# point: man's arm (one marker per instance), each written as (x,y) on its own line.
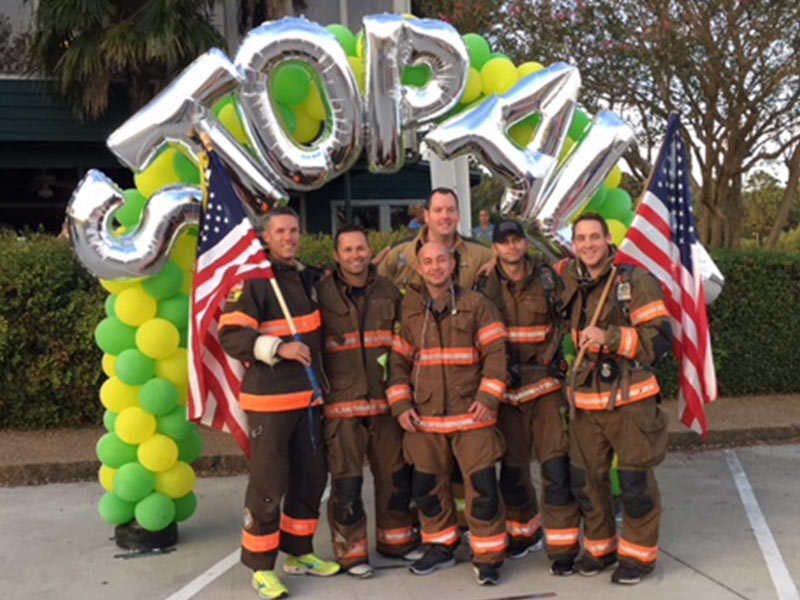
(238,327)
(491,343)
(401,363)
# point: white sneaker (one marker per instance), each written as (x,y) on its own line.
(413,555)
(361,571)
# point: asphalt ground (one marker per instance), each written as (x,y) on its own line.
(730,530)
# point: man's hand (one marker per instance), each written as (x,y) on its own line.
(481,412)
(486,268)
(592,336)
(295,351)
(408,420)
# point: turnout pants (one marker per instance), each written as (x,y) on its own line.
(638,434)
(538,425)
(283,466)
(475,452)
(348,441)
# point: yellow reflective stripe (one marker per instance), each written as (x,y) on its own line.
(493,387)
(451,424)
(600,547)
(303,324)
(448,356)
(356,408)
(447,536)
(562,537)
(349,341)
(301,527)
(402,347)
(486,545)
(649,312)
(261,543)
(628,342)
(396,537)
(491,333)
(528,335)
(398,393)
(532,391)
(641,553)
(237,319)
(599,401)
(519,529)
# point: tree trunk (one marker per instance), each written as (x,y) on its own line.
(789,198)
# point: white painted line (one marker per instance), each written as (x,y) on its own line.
(781,579)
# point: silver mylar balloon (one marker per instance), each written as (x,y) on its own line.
(392,43)
(171,115)
(141,253)
(262,52)
(578,178)
(481,131)
(713,279)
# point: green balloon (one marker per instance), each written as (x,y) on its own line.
(478,48)
(292,84)
(186,169)
(416,76)
(219,106)
(155,512)
(134,368)
(175,310)
(617,205)
(109,418)
(158,396)
(185,506)
(166,283)
(113,336)
(184,341)
(113,452)
(175,425)
(190,449)
(115,510)
(532,120)
(130,213)
(597,200)
(133,482)
(345,37)
(110,301)
(580,126)
(288,117)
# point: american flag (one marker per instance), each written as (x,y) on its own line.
(663,240)
(229,252)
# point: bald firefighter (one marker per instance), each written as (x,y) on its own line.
(359,310)
(531,415)
(616,397)
(448,373)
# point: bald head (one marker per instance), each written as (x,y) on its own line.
(435,265)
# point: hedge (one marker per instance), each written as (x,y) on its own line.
(49,307)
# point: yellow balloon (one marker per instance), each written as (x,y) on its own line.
(117,396)
(568,145)
(106,477)
(160,173)
(410,16)
(185,251)
(614,178)
(174,367)
(177,481)
(307,126)
(618,231)
(522,133)
(158,453)
(157,338)
(117,286)
(186,286)
(359,45)
(357,64)
(183,395)
(314,104)
(109,360)
(134,425)
(231,121)
(498,76)
(474,86)
(134,306)
(527,68)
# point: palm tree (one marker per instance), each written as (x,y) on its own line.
(86,45)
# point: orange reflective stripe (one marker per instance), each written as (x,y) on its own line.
(600,547)
(237,319)
(491,333)
(378,338)
(447,536)
(599,401)
(451,424)
(402,347)
(628,342)
(356,408)
(359,550)
(485,545)
(528,335)
(562,537)
(493,387)
(300,527)
(518,529)
(275,402)
(398,393)
(261,543)
(532,391)
(649,312)
(303,324)
(448,356)
(347,341)
(396,537)
(644,554)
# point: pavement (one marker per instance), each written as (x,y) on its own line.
(68,455)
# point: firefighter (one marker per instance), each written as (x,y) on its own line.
(616,399)
(359,309)
(448,371)
(531,414)
(286,465)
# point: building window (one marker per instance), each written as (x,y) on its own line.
(380,215)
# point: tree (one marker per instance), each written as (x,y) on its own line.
(731,68)
(85,45)
(254,12)
(12,47)
(762,198)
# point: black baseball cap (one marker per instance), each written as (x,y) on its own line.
(505,228)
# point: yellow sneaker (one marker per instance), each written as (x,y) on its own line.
(268,586)
(310,564)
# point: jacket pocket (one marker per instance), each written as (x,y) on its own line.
(644,442)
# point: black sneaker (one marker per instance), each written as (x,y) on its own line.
(519,548)
(486,574)
(563,567)
(589,566)
(627,574)
(436,557)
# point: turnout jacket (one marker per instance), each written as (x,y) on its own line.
(447,353)
(638,334)
(533,335)
(252,314)
(357,337)
(400,263)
